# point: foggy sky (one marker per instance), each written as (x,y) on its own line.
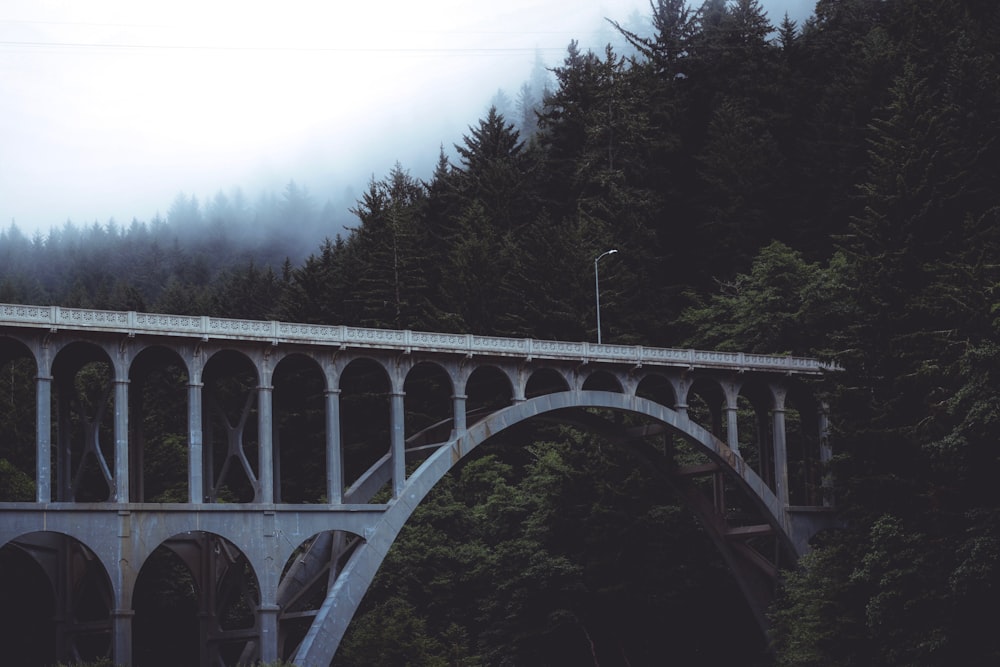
(110,108)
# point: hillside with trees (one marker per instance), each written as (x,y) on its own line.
(824,189)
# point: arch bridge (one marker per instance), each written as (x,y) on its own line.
(275,463)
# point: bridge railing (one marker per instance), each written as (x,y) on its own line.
(204,327)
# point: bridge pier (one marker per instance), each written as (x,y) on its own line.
(43,438)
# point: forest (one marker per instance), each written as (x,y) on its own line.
(826,189)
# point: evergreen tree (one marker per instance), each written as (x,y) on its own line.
(391,288)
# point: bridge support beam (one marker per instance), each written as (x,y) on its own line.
(121,636)
(334,453)
(121,440)
(265,438)
(458,410)
(267,620)
(196,461)
(43,438)
(780,447)
(398,442)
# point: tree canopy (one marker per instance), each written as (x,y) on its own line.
(826,189)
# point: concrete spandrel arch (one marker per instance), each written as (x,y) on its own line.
(601,380)
(158,374)
(366,387)
(334,616)
(18,412)
(372,362)
(488,386)
(13,346)
(83,596)
(658,388)
(231,436)
(226,590)
(299,428)
(545,380)
(428,396)
(710,394)
(90,386)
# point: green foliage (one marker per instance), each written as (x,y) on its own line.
(541,554)
(785,304)
(811,623)
(15,484)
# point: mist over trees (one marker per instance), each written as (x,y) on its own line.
(822,189)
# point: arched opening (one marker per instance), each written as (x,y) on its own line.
(428,408)
(657,388)
(158,440)
(230,428)
(17,422)
(754,417)
(488,389)
(545,381)
(307,576)
(706,406)
(195,602)
(84,451)
(802,438)
(299,431)
(602,381)
(57,601)
(364,417)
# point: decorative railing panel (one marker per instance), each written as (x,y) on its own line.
(157,324)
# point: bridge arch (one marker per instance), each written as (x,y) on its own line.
(429,393)
(81,599)
(207,582)
(158,451)
(90,386)
(232,440)
(545,380)
(299,429)
(342,601)
(19,455)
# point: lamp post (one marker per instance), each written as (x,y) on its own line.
(597,290)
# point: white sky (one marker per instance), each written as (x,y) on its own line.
(110,108)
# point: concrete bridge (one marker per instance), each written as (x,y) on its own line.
(281,502)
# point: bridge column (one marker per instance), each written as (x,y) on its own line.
(397,442)
(267,620)
(265,449)
(121,636)
(43,438)
(458,408)
(121,439)
(731,391)
(196,462)
(334,453)
(780,446)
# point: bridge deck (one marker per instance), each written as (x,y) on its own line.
(131,323)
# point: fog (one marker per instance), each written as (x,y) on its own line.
(111,108)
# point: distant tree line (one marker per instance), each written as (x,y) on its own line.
(826,189)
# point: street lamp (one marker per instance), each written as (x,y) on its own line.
(597,291)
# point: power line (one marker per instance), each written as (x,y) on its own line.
(422,51)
